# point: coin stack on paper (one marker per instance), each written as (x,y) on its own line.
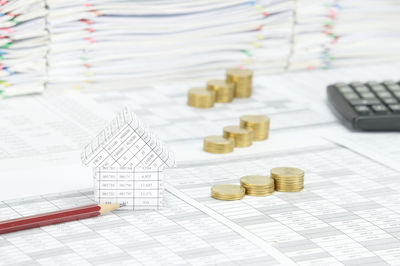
(218,144)
(238,83)
(227,192)
(288,179)
(258,185)
(259,124)
(251,128)
(224,90)
(241,136)
(242,80)
(282,179)
(201,98)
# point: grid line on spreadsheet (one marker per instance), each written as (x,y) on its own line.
(134,187)
(106,239)
(149,146)
(353,240)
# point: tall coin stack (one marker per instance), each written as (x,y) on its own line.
(201,98)
(288,179)
(241,137)
(227,192)
(218,144)
(259,124)
(223,90)
(242,80)
(258,185)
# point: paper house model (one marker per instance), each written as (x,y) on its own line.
(128,162)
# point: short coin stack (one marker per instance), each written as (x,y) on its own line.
(218,144)
(223,90)
(252,128)
(238,83)
(240,136)
(258,185)
(227,192)
(288,179)
(201,98)
(259,124)
(282,179)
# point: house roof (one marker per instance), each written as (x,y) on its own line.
(127,142)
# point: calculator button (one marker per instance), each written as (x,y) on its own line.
(389,82)
(362,110)
(372,83)
(389,101)
(367,95)
(345,89)
(378,88)
(395,108)
(364,102)
(394,87)
(384,94)
(379,109)
(362,89)
(356,84)
(340,85)
(351,96)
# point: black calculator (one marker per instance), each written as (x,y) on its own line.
(373,106)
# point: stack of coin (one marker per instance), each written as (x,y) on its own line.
(223,90)
(288,179)
(242,80)
(258,123)
(241,137)
(258,185)
(201,98)
(218,144)
(227,192)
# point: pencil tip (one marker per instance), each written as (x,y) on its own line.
(109,207)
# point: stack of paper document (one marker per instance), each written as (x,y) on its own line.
(117,44)
(313,35)
(23,46)
(368,32)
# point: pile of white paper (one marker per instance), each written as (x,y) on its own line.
(368,32)
(114,44)
(23,46)
(117,44)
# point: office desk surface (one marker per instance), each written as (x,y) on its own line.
(348,212)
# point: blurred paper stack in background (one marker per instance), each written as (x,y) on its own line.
(23,47)
(123,44)
(61,45)
(368,32)
(313,34)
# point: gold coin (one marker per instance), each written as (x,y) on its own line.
(224,91)
(288,179)
(242,80)
(241,137)
(218,144)
(201,98)
(227,192)
(287,172)
(257,180)
(258,185)
(258,123)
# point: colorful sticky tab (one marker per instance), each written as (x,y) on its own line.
(7,45)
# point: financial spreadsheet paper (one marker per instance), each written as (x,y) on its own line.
(347,214)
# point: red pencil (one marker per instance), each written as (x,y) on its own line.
(55,217)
